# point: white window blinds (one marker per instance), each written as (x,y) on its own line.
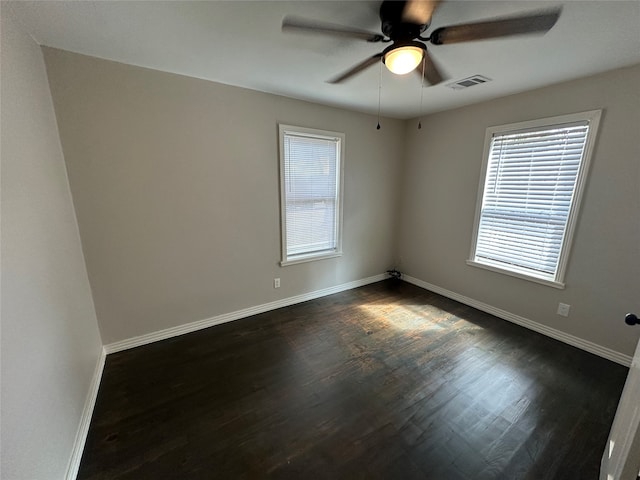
(529,191)
(311,194)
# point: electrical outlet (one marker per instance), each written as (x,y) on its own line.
(276,283)
(563,309)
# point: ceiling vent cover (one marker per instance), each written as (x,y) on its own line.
(468,82)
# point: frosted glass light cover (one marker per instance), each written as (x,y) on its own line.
(403,59)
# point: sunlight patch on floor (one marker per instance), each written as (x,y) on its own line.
(413,317)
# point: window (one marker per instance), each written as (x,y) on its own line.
(311,163)
(531,183)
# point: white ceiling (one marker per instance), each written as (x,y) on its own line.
(241,43)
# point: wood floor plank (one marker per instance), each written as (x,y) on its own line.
(384,381)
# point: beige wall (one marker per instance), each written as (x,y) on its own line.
(50,339)
(440,185)
(175,182)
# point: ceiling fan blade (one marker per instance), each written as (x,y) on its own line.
(539,22)
(419,11)
(322,28)
(432,73)
(357,69)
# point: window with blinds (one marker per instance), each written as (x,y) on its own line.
(532,182)
(311,188)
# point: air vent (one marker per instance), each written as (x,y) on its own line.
(468,82)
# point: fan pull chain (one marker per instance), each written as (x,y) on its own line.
(424,64)
(379,93)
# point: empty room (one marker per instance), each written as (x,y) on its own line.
(320,240)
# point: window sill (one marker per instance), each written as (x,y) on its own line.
(309,258)
(492,268)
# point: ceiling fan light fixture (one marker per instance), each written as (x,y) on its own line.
(402,60)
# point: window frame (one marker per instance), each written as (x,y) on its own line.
(339,137)
(592,117)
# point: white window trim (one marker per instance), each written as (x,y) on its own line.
(309,257)
(591,116)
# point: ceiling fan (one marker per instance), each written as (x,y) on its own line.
(403,23)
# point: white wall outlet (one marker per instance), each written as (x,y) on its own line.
(276,283)
(563,309)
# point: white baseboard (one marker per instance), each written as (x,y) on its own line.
(228,317)
(525,322)
(85,419)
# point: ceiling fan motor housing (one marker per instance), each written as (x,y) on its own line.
(393,25)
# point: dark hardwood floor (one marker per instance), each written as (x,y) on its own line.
(385,381)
